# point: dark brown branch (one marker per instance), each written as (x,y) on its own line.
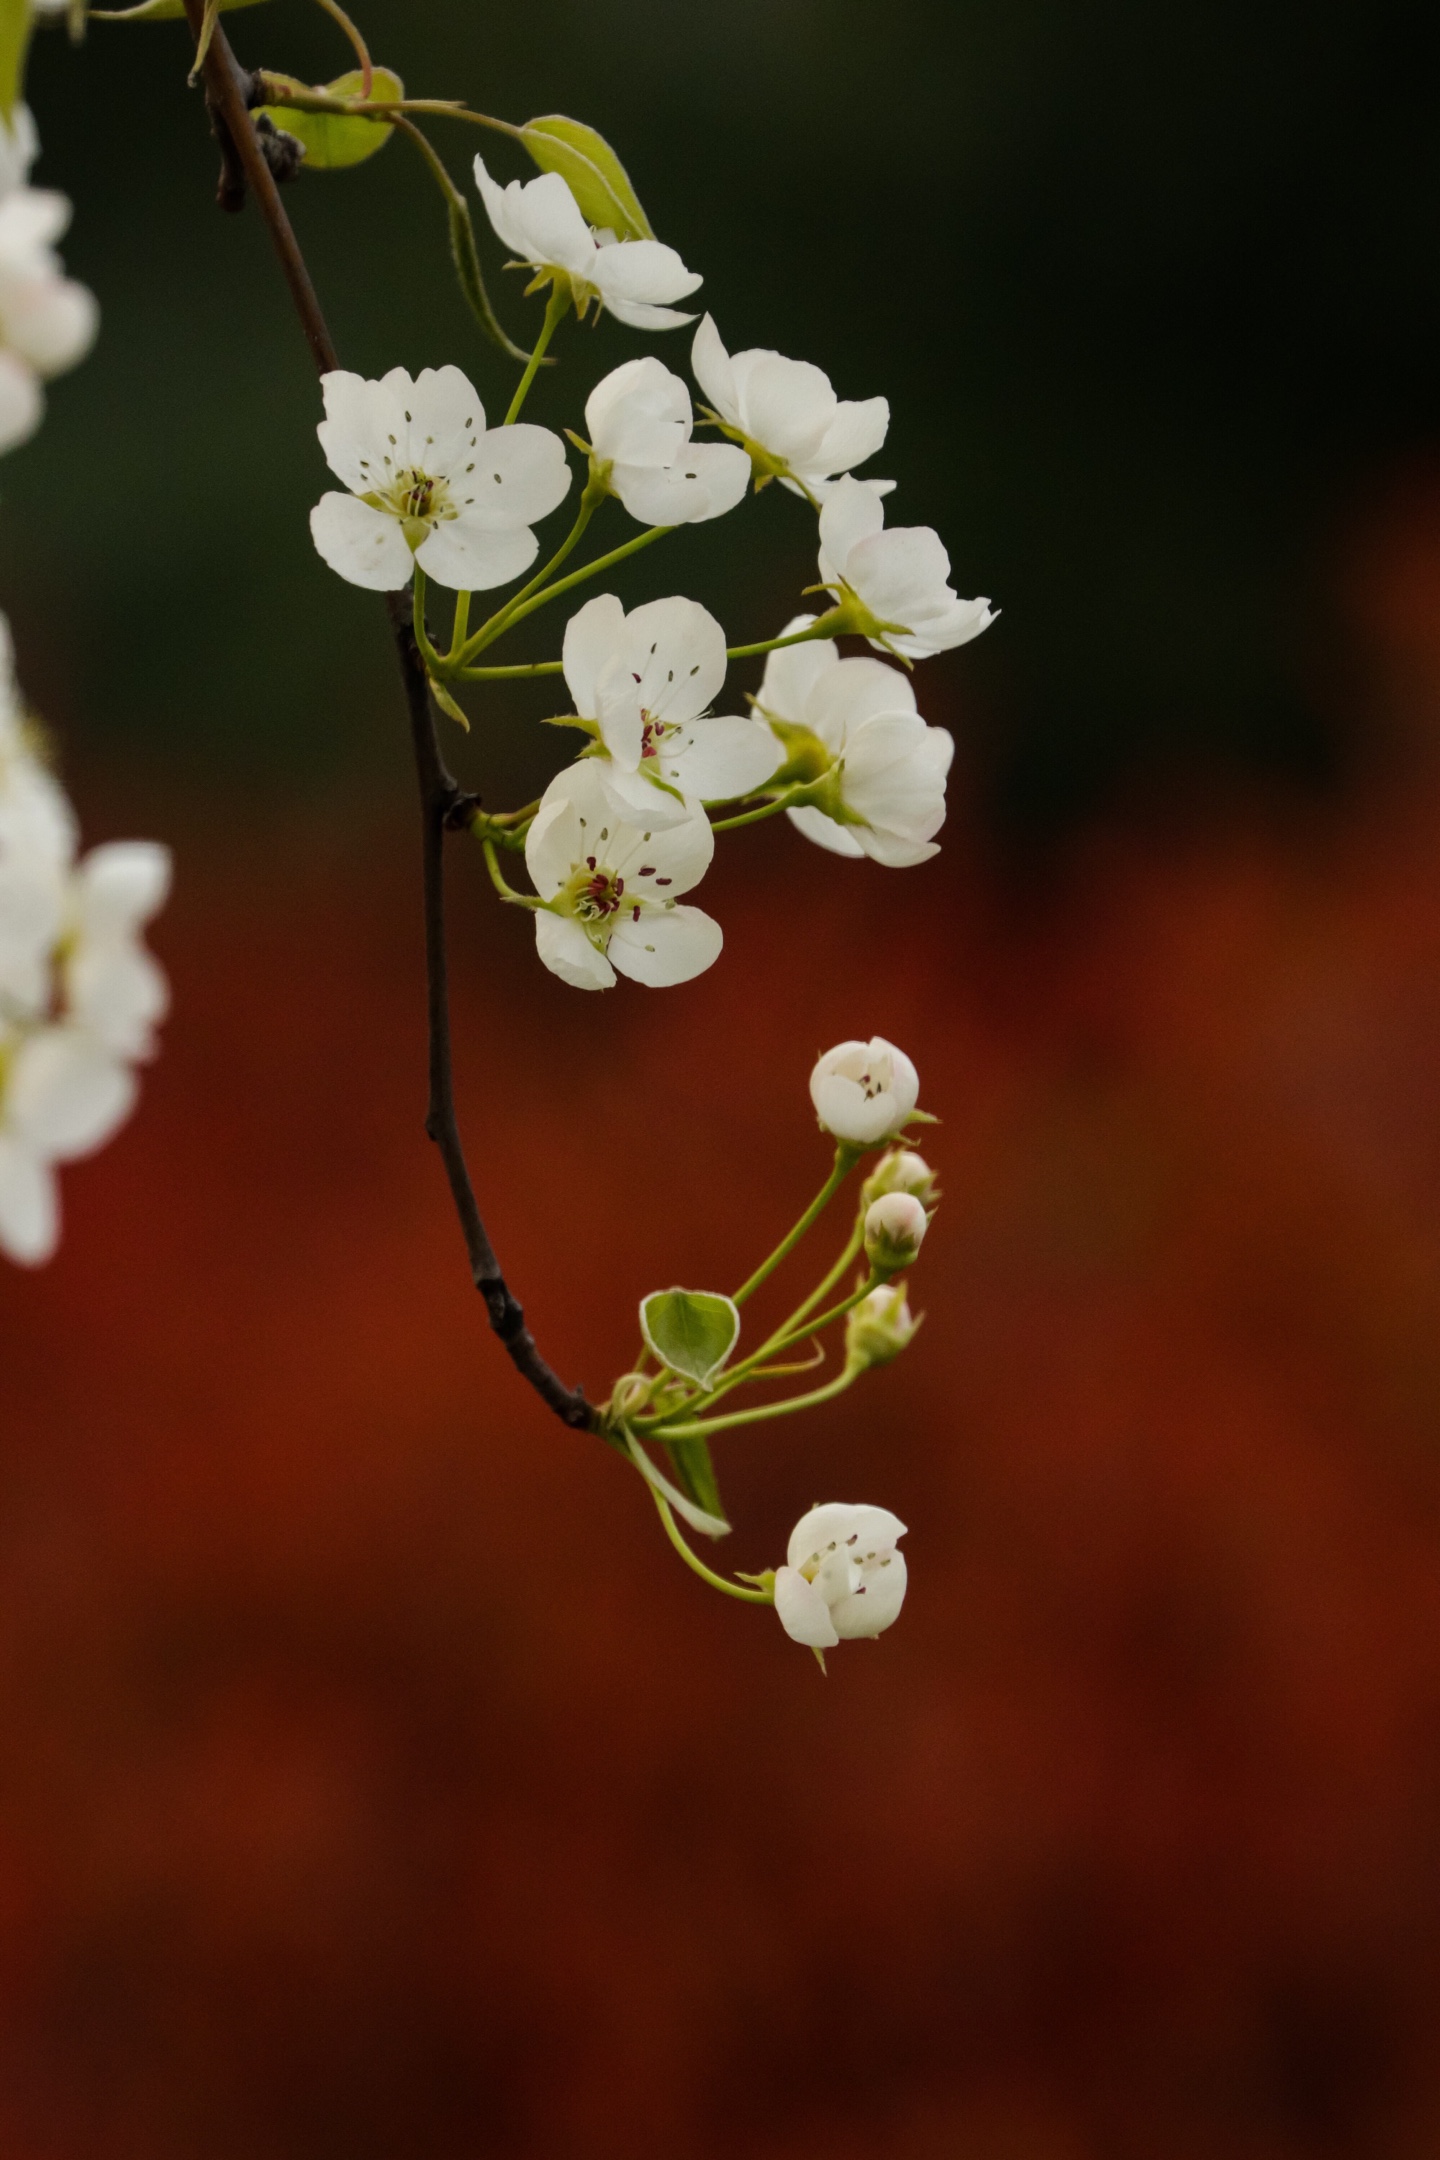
(227,89)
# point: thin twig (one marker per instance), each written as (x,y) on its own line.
(226,89)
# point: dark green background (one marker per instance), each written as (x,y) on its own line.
(1153,293)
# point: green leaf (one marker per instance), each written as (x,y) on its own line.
(158,11)
(597,179)
(335,140)
(691,1331)
(696,1472)
(14,39)
(699,1518)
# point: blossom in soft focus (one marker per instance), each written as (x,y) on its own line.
(47,321)
(543,224)
(901,577)
(902,1170)
(895,1227)
(864,1092)
(79,995)
(430,483)
(787,416)
(645,680)
(884,794)
(639,419)
(879,1328)
(844,1576)
(612,887)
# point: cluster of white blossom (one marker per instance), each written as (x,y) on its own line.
(79,995)
(627,830)
(47,321)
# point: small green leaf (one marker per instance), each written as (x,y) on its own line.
(335,140)
(710,1525)
(158,11)
(14,39)
(691,1331)
(597,179)
(696,1473)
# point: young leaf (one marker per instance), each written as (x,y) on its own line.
(597,179)
(691,1331)
(696,1473)
(14,38)
(335,140)
(698,1518)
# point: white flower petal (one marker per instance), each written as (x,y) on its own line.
(591,639)
(851,513)
(721,759)
(22,401)
(854,691)
(666,946)
(29,1205)
(364,546)
(856,432)
(802,1611)
(568,953)
(836,1523)
(50,322)
(791,674)
(674,654)
(630,272)
(711,365)
(839,839)
(874,1604)
(466,554)
(65,1094)
(121,886)
(520,474)
(788,406)
(705,481)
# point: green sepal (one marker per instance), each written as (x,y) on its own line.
(807,758)
(691,1331)
(335,140)
(448,705)
(596,177)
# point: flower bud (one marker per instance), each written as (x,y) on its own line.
(879,1328)
(864,1092)
(902,1170)
(895,1227)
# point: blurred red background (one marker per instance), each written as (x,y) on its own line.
(376,1781)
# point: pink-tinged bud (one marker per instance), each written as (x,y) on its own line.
(902,1170)
(895,1227)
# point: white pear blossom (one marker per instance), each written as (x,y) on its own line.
(787,416)
(639,419)
(901,577)
(544,225)
(886,787)
(79,995)
(430,483)
(612,885)
(47,321)
(864,1092)
(895,1227)
(645,680)
(844,1576)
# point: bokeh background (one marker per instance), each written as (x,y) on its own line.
(375,1783)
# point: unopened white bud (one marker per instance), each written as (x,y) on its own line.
(895,1227)
(879,1328)
(902,1170)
